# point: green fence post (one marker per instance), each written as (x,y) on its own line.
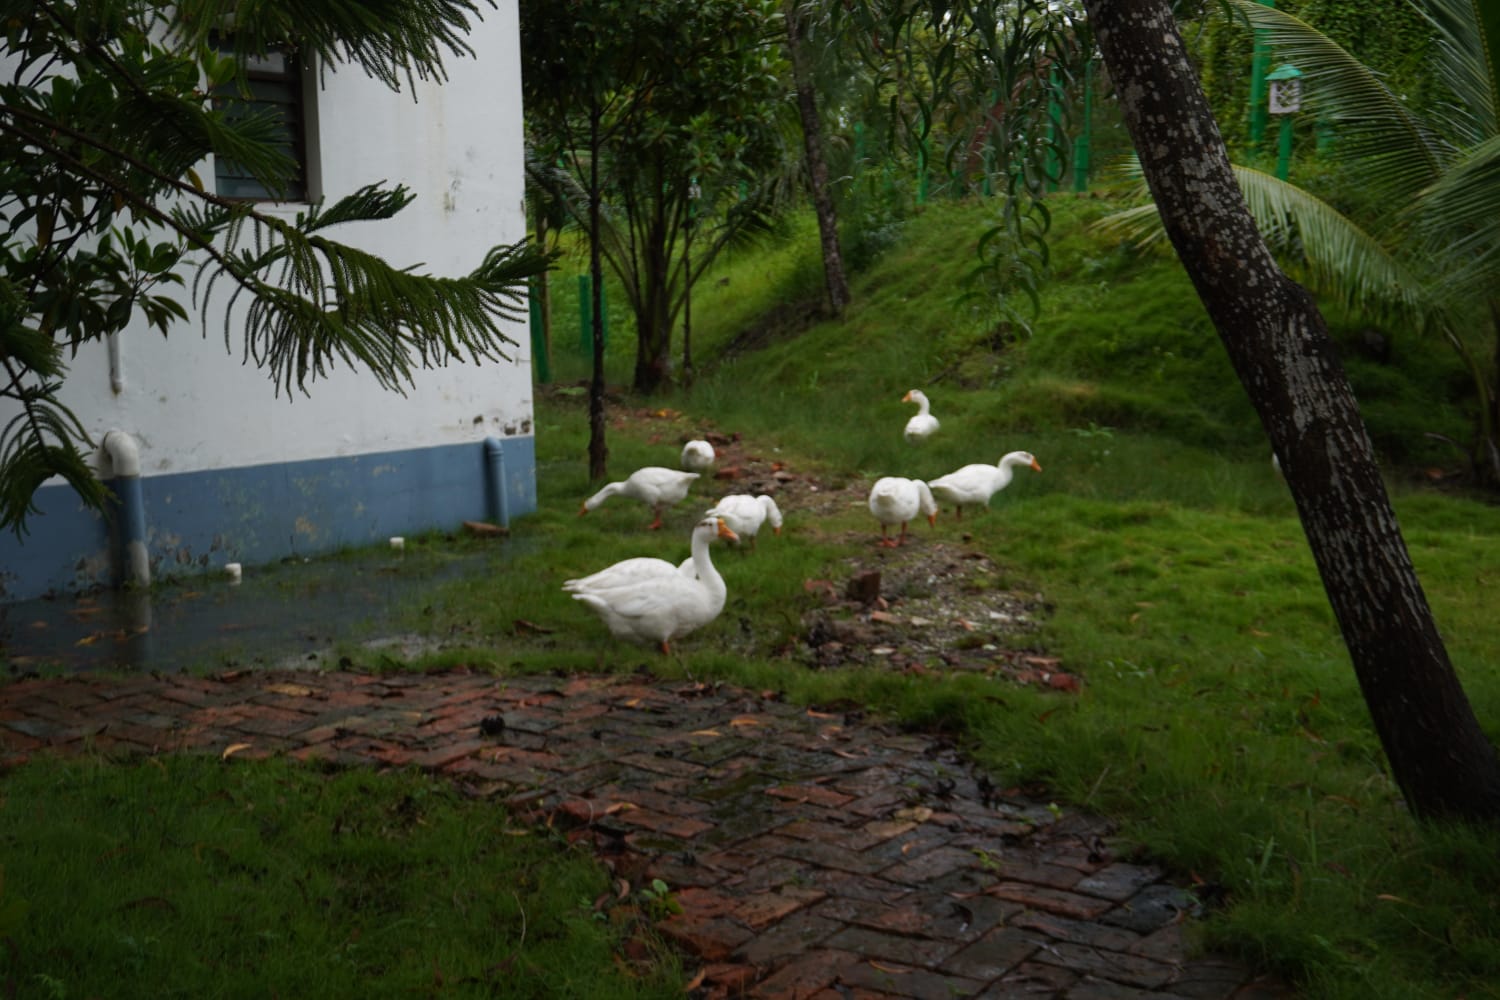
(1081,146)
(539,353)
(1259,60)
(1054,130)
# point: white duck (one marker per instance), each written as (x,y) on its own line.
(698,456)
(973,485)
(665,606)
(894,500)
(745,514)
(627,572)
(653,485)
(922,426)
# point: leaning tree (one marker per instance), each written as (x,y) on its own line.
(1280,348)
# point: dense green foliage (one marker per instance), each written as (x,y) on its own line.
(1393,37)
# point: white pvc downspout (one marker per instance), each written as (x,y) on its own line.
(125,464)
(497,503)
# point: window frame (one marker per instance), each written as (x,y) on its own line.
(288,87)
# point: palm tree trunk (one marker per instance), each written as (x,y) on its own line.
(1280,348)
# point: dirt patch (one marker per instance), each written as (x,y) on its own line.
(929,605)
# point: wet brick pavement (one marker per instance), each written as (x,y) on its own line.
(814,854)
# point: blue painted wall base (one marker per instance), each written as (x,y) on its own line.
(257,514)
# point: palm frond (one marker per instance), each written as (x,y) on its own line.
(1339,256)
(1310,237)
(1468,36)
(1458,220)
(1398,152)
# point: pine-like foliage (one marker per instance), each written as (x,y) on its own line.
(103,117)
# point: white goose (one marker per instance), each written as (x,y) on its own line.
(973,485)
(922,426)
(745,514)
(665,606)
(698,456)
(655,486)
(894,500)
(627,572)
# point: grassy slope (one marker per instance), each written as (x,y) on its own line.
(1220,721)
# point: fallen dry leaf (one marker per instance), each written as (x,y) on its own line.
(920,814)
(233,748)
(294,690)
(744,720)
(888,968)
(1062,682)
(522,625)
(705,732)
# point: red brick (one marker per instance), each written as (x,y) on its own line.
(816,794)
(805,975)
(1065,904)
(730,978)
(683,827)
(1117,882)
(887,978)
(763,909)
(994,954)
(700,904)
(712,940)
(1132,970)
(439,757)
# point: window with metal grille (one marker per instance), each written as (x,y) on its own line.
(275,83)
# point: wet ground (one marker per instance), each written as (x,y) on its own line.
(296,612)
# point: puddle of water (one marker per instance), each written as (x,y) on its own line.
(287,614)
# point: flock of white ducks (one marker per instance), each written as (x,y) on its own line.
(650,600)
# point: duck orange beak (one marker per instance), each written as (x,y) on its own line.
(1035,466)
(726,532)
(583,509)
(906,398)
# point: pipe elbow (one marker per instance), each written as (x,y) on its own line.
(124,454)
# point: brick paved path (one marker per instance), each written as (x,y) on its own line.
(814,855)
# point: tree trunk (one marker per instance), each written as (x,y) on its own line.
(1279,345)
(598,449)
(817,168)
(654,312)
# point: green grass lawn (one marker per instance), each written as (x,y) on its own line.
(1218,720)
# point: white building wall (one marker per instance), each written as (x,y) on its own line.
(194,407)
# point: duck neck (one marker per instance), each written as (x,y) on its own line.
(703,563)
